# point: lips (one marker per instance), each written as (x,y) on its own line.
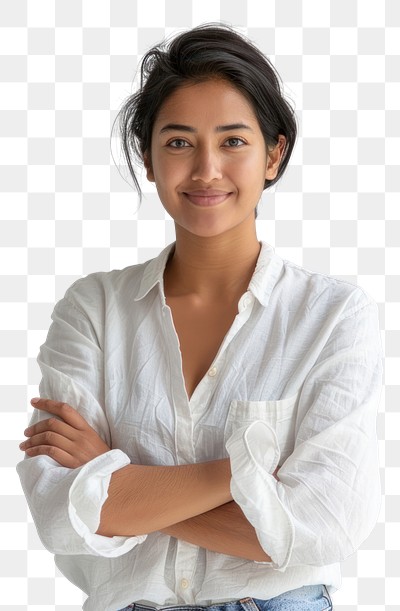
(207,197)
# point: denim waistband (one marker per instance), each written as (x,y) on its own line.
(245,604)
(307,598)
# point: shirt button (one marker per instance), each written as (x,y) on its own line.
(212,372)
(184,584)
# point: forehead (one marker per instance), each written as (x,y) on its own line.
(212,100)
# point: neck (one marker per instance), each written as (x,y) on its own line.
(211,266)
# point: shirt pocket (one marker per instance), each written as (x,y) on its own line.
(280,415)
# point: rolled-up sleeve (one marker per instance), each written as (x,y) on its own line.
(66,503)
(327,499)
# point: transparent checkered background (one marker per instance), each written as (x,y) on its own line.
(66,210)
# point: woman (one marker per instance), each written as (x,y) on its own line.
(214,441)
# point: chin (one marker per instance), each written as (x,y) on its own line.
(209,232)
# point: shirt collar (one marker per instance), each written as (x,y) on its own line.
(266,273)
(154,273)
(268,269)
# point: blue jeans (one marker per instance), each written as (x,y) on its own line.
(307,598)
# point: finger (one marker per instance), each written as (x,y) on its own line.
(52,424)
(62,410)
(57,454)
(49,438)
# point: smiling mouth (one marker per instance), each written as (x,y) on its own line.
(207,198)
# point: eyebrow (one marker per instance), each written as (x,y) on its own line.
(192,130)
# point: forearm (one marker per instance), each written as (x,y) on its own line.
(142,499)
(224,530)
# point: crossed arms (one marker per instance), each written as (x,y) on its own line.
(190,502)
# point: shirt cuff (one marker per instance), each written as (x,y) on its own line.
(86,498)
(254,454)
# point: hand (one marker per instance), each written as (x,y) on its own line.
(71,441)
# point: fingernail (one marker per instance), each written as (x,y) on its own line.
(35,399)
(22,445)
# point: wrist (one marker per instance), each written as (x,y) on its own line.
(219,474)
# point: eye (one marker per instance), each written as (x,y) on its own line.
(234,142)
(178,143)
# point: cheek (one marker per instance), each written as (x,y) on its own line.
(168,171)
(251,169)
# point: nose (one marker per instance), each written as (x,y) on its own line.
(207,165)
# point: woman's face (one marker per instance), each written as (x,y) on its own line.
(208,158)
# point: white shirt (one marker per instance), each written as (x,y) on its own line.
(296,383)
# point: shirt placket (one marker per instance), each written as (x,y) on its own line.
(186,415)
(184,452)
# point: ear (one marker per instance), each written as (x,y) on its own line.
(149,167)
(274,158)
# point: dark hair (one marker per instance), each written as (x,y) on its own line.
(204,52)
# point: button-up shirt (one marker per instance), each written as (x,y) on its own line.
(295,385)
